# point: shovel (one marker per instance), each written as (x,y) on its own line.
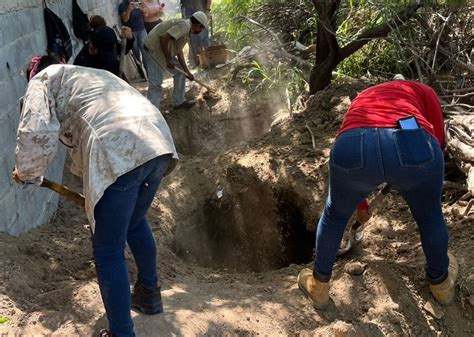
(195,80)
(211,93)
(64,191)
(356,231)
(123,47)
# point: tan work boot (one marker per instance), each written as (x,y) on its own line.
(444,292)
(316,291)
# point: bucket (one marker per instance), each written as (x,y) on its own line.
(213,55)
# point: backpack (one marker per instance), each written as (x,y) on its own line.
(59,40)
(80,22)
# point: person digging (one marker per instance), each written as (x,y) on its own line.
(392,133)
(163,52)
(121,146)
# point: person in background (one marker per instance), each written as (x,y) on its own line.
(163,51)
(154,12)
(121,146)
(133,14)
(392,133)
(96,21)
(103,49)
(201,40)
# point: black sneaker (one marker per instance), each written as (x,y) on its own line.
(186,104)
(147,301)
(105,333)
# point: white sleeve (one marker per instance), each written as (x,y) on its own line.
(38,131)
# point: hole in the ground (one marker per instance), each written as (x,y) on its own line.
(252,227)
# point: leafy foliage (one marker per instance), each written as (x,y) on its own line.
(228,21)
(296,20)
(265,77)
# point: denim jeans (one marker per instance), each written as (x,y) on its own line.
(196,43)
(120,217)
(156,75)
(138,45)
(411,161)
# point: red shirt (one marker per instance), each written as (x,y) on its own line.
(382,105)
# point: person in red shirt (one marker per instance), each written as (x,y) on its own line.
(392,133)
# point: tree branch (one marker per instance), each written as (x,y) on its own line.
(379,31)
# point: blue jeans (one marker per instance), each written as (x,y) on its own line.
(196,43)
(156,75)
(120,217)
(411,161)
(138,45)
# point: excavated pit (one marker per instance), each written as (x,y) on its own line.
(254,228)
(246,224)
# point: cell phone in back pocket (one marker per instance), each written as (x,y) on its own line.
(408,123)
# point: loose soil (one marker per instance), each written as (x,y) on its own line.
(235,224)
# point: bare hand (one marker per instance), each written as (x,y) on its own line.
(133,5)
(363,215)
(126,32)
(16,177)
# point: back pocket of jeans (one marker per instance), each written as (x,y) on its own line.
(347,152)
(413,147)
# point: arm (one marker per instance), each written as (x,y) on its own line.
(125,15)
(153,9)
(38,132)
(126,32)
(208,8)
(165,42)
(182,62)
(434,115)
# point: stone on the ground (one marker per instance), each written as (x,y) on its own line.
(434,310)
(355,268)
(338,329)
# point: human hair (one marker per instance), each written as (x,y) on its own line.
(38,64)
(96,21)
(195,21)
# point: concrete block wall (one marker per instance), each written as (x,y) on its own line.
(22,35)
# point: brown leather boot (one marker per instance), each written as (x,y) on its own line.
(316,291)
(444,292)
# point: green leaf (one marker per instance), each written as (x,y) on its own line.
(3,320)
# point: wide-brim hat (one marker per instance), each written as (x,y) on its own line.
(202,18)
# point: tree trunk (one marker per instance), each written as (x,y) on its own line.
(326,45)
(328,53)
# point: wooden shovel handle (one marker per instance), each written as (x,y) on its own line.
(64,191)
(195,79)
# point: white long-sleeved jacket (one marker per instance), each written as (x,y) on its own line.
(108,127)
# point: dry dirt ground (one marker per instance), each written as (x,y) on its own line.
(235,223)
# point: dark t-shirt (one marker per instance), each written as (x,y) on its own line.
(192,6)
(109,61)
(85,59)
(136,21)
